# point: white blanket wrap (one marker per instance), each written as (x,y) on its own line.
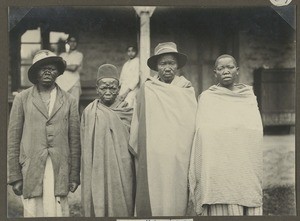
(226,158)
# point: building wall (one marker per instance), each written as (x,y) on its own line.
(101,49)
(201,34)
(103,38)
(256,37)
(266,46)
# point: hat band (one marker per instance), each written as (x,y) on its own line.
(164,48)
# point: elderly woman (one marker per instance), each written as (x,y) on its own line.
(162,135)
(44,141)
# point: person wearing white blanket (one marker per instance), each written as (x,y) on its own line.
(225,173)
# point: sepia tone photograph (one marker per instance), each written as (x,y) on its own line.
(151,111)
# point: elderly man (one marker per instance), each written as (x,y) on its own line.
(44,141)
(107,164)
(226,160)
(70,79)
(162,134)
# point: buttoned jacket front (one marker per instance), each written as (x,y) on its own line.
(33,135)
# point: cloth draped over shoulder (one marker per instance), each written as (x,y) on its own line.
(162,132)
(107,165)
(226,158)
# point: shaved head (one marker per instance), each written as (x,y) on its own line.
(225,56)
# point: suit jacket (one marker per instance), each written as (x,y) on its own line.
(33,135)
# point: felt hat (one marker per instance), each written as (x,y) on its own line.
(45,57)
(107,71)
(166,48)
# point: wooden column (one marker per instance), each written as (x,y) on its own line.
(144,14)
(15,60)
(45,37)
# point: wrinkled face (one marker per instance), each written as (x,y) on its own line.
(107,90)
(131,52)
(226,72)
(47,75)
(73,43)
(167,68)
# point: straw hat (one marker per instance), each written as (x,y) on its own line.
(45,57)
(166,48)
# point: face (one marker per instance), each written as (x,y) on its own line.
(167,68)
(226,72)
(107,90)
(73,43)
(47,75)
(131,52)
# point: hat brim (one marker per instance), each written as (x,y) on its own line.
(32,72)
(181,60)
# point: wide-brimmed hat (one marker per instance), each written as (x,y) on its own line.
(107,71)
(166,48)
(45,57)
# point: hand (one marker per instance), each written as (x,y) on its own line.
(121,97)
(17,187)
(73,187)
(123,104)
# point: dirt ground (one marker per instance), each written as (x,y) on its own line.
(279,181)
(279,175)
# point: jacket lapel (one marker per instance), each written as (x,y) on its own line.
(58,102)
(38,103)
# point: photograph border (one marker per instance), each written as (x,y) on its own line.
(4,68)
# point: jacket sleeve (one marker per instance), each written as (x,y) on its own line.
(15,130)
(74,142)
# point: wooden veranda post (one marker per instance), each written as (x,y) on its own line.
(144,13)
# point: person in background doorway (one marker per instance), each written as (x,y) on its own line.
(226,160)
(130,77)
(70,80)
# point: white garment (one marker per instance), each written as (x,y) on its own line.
(129,79)
(226,158)
(68,79)
(47,205)
(231,210)
(52,100)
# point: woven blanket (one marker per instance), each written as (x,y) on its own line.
(226,158)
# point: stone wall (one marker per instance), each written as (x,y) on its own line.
(266,46)
(101,49)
